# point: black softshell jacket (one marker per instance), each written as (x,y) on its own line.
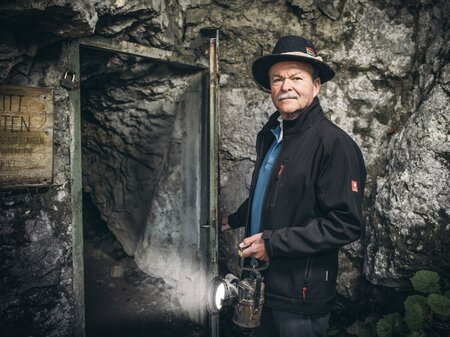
(312,206)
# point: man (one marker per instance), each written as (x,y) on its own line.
(305,197)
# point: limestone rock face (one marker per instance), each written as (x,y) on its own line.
(156,23)
(244,113)
(169,247)
(127,128)
(408,223)
(410,229)
(379,41)
(60,17)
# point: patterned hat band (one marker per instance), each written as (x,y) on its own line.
(299,53)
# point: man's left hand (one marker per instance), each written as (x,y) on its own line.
(253,246)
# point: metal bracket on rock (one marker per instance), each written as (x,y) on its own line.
(67,83)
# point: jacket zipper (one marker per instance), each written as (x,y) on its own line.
(252,188)
(265,193)
(307,275)
(277,182)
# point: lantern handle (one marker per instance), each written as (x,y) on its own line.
(254,264)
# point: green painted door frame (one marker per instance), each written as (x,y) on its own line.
(214,135)
(209,171)
(73,63)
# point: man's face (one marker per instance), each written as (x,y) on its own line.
(292,87)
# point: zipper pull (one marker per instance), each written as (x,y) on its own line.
(304,290)
(280,171)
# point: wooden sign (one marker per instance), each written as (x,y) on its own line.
(26,136)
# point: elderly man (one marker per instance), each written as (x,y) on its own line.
(305,197)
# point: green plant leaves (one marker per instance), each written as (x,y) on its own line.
(416,299)
(417,312)
(417,334)
(414,317)
(421,313)
(426,282)
(389,325)
(440,305)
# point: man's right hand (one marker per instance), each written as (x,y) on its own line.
(224,225)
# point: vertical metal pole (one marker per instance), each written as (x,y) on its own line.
(73,64)
(213,166)
(217,78)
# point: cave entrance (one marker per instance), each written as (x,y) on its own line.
(144,166)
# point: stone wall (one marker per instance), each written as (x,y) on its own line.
(391,94)
(36,247)
(141,125)
(129,111)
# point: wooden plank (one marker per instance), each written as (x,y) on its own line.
(26,136)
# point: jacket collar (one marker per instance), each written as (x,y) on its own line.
(307,118)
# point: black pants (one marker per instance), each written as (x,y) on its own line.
(276,323)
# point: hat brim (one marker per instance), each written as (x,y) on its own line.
(261,67)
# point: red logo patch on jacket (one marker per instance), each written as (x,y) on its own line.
(354,186)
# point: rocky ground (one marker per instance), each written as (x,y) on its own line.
(121,300)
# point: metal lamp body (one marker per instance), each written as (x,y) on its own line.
(247,311)
(246,295)
(230,293)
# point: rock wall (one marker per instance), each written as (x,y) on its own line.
(142,134)
(36,246)
(129,111)
(410,227)
(391,94)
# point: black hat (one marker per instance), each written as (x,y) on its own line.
(290,48)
